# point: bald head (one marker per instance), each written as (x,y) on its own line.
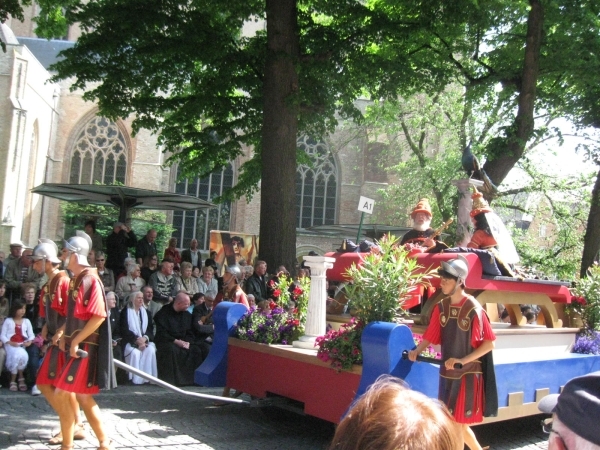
(181,302)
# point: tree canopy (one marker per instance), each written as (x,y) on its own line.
(186,70)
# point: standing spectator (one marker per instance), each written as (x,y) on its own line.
(21,271)
(163,283)
(132,282)
(172,253)
(136,329)
(2,256)
(150,266)
(192,254)
(106,275)
(207,282)
(257,283)
(117,244)
(146,246)
(16,249)
(17,335)
(90,229)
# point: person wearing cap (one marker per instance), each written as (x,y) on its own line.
(117,244)
(53,303)
(86,328)
(422,234)
(461,326)
(575,412)
(20,270)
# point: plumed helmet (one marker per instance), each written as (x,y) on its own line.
(47,250)
(236,271)
(458,268)
(80,244)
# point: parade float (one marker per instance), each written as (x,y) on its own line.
(530,361)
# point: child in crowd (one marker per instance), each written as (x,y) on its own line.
(17,334)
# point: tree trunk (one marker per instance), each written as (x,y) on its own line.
(280,128)
(498,166)
(591,240)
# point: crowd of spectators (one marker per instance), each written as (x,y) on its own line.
(160,312)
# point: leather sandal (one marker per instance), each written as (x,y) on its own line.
(22,385)
(13,386)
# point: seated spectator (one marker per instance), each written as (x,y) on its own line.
(575,412)
(150,304)
(163,283)
(172,253)
(106,275)
(208,281)
(132,282)
(203,321)
(179,352)
(257,283)
(505,317)
(114,318)
(90,229)
(185,282)
(32,313)
(137,333)
(251,301)
(150,266)
(17,336)
(196,272)
(197,300)
(390,416)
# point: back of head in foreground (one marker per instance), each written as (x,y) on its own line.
(575,413)
(390,416)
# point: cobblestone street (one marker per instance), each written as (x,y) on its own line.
(148,417)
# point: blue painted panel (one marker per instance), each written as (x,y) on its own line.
(213,371)
(383,343)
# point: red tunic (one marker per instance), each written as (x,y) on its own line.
(53,304)
(86,299)
(480,331)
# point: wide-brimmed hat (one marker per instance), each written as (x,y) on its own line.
(423,206)
(480,205)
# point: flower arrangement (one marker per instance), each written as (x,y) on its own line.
(587,343)
(342,347)
(281,322)
(429,352)
(379,287)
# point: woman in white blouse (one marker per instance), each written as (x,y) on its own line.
(208,282)
(136,332)
(185,281)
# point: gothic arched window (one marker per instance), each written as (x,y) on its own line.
(316,185)
(99,154)
(197,224)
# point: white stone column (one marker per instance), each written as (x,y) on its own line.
(463,222)
(317,301)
